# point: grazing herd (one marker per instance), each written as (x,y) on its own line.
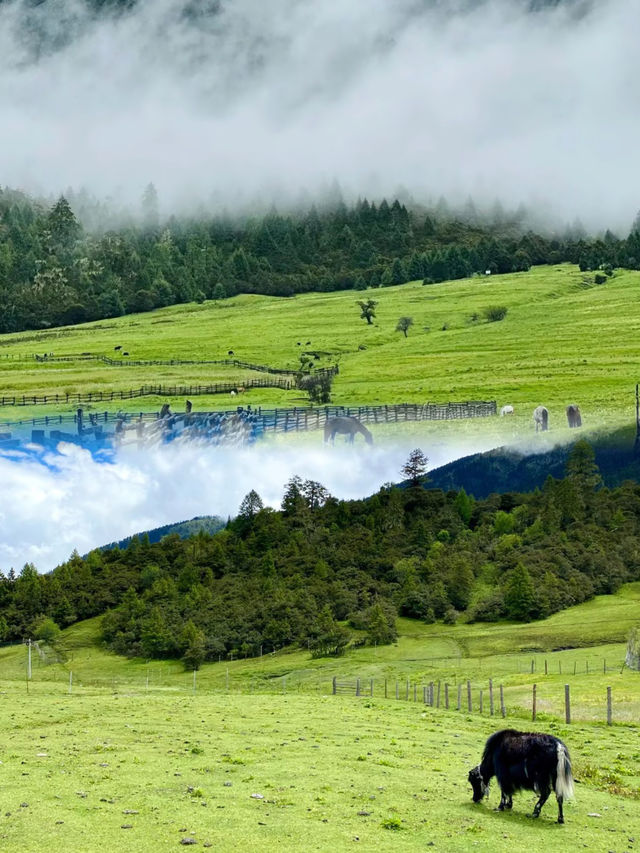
(541,416)
(524,761)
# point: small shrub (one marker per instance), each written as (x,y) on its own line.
(600,278)
(495,313)
(393,823)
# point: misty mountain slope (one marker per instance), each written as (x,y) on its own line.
(184,529)
(233,102)
(507,470)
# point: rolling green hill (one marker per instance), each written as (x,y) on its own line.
(563,340)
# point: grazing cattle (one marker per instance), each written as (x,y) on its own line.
(506,410)
(125,353)
(574,418)
(308,343)
(524,760)
(230,352)
(541,418)
(118,347)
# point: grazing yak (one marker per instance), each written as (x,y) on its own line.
(524,760)
(506,410)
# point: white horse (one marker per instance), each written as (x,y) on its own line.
(541,418)
(506,410)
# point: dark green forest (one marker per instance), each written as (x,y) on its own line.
(54,271)
(320,568)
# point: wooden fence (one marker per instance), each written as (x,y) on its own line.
(462,696)
(125,361)
(146,391)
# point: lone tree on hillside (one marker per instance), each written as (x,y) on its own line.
(404,324)
(415,468)
(251,505)
(368,307)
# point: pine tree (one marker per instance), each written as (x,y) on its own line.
(415,468)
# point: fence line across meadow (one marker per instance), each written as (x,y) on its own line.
(173,362)
(145,391)
(281,420)
(488,699)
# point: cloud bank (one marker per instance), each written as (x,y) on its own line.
(218,102)
(51,503)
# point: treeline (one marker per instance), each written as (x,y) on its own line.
(54,272)
(302,575)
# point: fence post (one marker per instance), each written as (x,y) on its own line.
(407,696)
(424,695)
(459,696)
(438,695)
(533,665)
(609,710)
(371,687)
(469,696)
(567,704)
(446,696)
(491,696)
(533,706)
(334,685)
(70,680)
(397,692)
(545,667)
(415,691)
(431,702)
(357,686)
(503,710)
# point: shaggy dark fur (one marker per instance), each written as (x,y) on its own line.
(521,760)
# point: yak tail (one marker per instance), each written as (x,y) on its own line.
(564,779)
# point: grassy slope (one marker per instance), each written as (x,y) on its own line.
(169,764)
(560,342)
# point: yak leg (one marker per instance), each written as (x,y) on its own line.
(506,801)
(544,796)
(560,813)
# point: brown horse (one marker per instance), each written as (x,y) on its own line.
(345,426)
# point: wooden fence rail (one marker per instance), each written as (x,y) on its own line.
(436,694)
(228,362)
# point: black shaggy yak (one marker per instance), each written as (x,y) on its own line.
(521,760)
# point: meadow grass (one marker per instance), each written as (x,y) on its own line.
(134,754)
(562,341)
(258,773)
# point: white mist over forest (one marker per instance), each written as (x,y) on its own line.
(223,103)
(53,503)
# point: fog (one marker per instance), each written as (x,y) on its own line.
(52,503)
(248,99)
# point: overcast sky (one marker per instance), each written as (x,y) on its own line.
(51,503)
(458,98)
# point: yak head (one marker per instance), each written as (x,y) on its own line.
(480,787)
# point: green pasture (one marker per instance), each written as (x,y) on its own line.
(136,754)
(242,772)
(563,340)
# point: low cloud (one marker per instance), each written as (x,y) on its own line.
(52,503)
(245,99)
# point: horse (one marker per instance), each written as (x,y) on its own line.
(524,760)
(506,410)
(574,418)
(345,426)
(541,418)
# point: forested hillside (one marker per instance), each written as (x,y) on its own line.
(277,578)
(53,271)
